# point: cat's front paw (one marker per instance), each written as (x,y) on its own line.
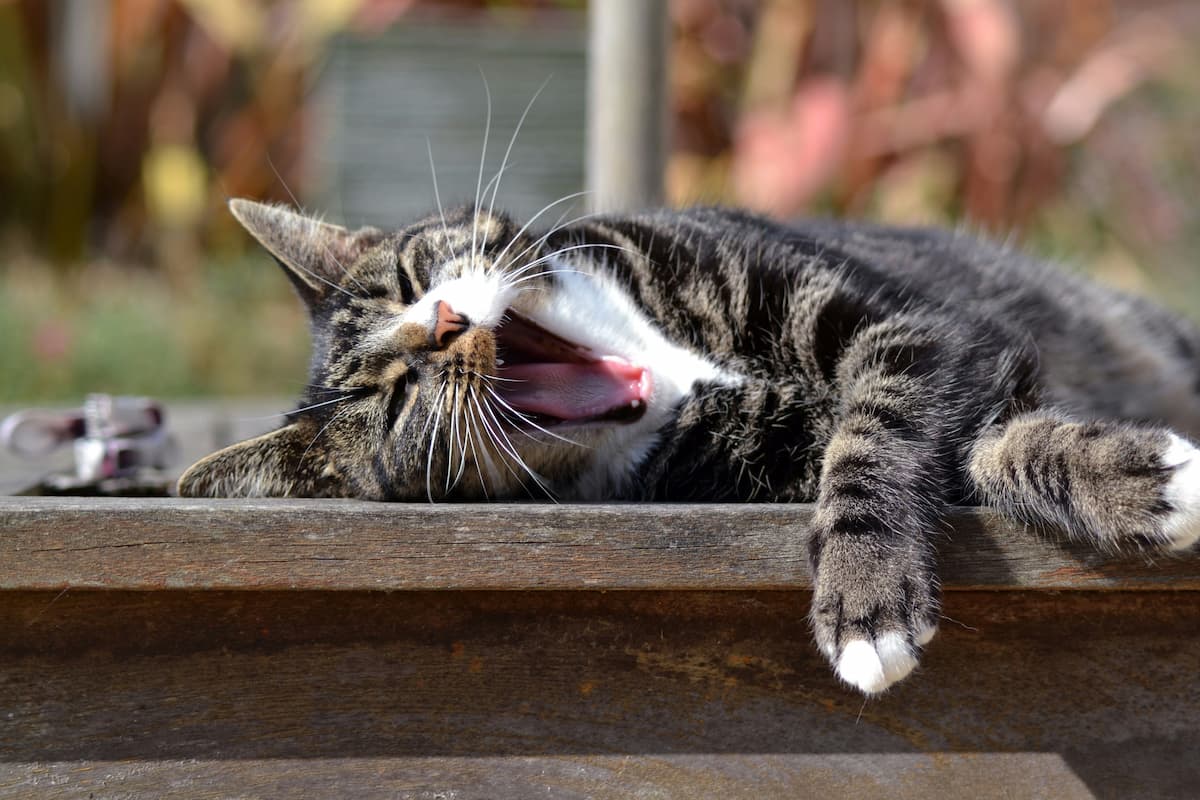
(870,620)
(1181,529)
(872,665)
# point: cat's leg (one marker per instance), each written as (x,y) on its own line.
(882,496)
(1112,483)
(875,596)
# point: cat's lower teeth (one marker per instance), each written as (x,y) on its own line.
(630,413)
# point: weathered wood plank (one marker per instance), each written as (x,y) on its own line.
(585,695)
(54,543)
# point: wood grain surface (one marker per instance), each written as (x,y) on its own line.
(167,648)
(517,695)
(147,544)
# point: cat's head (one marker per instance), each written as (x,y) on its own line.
(435,372)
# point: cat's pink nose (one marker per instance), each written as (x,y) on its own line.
(449,324)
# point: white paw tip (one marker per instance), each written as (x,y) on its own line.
(896,655)
(873,668)
(1182,527)
(860,667)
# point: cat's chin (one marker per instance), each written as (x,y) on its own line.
(553,382)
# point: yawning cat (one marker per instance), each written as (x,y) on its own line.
(711,355)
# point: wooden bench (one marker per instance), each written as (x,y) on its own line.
(175,648)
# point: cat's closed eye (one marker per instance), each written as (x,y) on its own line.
(397,393)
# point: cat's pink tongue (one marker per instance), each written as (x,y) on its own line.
(575,391)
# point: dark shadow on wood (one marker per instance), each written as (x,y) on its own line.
(1105,681)
(259,648)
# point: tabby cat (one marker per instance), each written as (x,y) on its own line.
(711,355)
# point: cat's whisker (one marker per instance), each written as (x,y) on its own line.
(352,391)
(298,410)
(511,142)
(602,246)
(456,438)
(558,225)
(493,472)
(324,246)
(471,440)
(344,270)
(565,250)
(474,451)
(326,281)
(487,129)
(275,416)
(543,274)
(516,236)
(429,417)
(495,180)
(512,451)
(495,442)
(481,405)
(465,440)
(515,422)
(324,427)
(437,421)
(510,277)
(498,378)
(453,435)
(515,426)
(502,450)
(496,396)
(324,403)
(582,246)
(437,195)
(549,256)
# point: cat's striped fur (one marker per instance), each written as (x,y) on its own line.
(882,373)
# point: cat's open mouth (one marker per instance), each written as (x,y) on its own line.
(553,381)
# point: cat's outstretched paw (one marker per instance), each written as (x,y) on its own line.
(872,668)
(872,627)
(1182,527)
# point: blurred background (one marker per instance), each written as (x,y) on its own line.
(1070,127)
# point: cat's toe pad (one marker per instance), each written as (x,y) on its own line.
(873,667)
(1182,527)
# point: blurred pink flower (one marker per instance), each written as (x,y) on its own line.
(986,35)
(780,161)
(376,15)
(51,341)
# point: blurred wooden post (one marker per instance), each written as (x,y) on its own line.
(80,56)
(627,103)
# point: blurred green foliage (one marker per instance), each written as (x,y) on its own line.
(235,330)
(125,125)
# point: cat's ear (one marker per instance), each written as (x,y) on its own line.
(271,465)
(314,254)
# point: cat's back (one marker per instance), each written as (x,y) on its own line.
(921,264)
(1101,352)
